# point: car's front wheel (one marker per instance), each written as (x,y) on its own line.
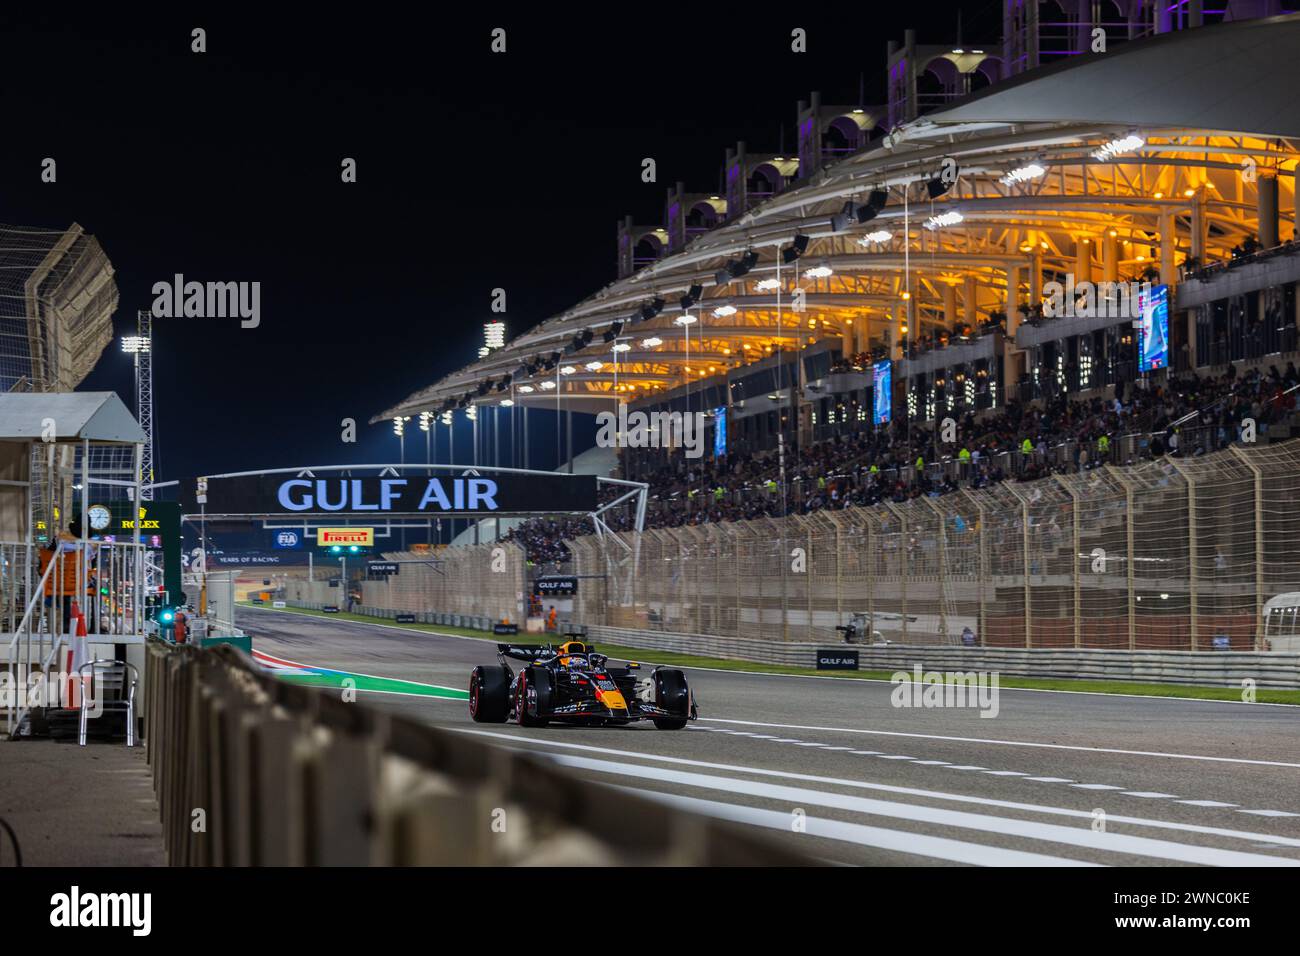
(673,695)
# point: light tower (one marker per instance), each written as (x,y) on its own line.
(140,346)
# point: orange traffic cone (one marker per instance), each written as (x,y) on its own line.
(76,657)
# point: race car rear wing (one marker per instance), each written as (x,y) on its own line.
(526,652)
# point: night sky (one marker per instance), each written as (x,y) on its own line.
(475,171)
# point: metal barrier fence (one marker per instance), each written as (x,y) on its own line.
(485,580)
(1168,554)
(251,770)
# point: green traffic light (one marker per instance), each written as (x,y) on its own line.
(336,549)
(353,548)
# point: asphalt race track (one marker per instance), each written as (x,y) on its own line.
(1180,782)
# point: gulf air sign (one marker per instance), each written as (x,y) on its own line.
(364,537)
(445,494)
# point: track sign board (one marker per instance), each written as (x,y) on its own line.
(364,537)
(475,495)
(835,659)
(382,569)
(557,584)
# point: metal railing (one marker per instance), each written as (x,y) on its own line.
(287,774)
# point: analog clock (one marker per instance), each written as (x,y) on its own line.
(99,517)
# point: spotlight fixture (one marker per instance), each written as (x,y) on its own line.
(722,276)
(865,213)
(937,186)
(743,265)
(877,199)
(691,297)
(841,220)
(796,248)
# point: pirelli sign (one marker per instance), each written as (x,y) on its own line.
(363,537)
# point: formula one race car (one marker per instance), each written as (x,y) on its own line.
(574,684)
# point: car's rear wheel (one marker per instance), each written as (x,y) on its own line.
(489,695)
(540,681)
(673,695)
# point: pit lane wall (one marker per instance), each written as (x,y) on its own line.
(255,770)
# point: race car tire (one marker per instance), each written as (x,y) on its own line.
(672,694)
(540,680)
(489,695)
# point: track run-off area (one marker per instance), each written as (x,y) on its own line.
(833,768)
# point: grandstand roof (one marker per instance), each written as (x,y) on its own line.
(1203,101)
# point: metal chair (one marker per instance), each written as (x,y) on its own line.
(115,694)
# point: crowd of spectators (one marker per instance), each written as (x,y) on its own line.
(1188,415)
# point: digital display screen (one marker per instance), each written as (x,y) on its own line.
(882,392)
(1153,329)
(719,431)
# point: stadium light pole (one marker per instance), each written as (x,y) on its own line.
(399,429)
(140,348)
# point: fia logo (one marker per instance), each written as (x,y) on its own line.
(287,539)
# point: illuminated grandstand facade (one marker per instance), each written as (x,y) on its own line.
(926,231)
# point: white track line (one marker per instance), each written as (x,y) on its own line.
(1080,837)
(900,841)
(520,740)
(1002,743)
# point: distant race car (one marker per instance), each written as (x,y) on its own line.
(574,684)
